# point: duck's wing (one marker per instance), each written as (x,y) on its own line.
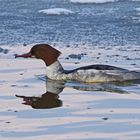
(100,68)
(99,73)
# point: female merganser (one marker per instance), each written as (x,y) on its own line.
(88,74)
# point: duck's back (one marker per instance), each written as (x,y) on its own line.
(102,73)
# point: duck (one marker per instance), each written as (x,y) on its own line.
(87,74)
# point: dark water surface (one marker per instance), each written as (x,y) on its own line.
(112,23)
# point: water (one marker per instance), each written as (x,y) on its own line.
(111,23)
(103,33)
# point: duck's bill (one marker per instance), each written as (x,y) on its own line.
(26,55)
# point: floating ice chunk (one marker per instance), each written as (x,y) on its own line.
(91,1)
(138,9)
(56,11)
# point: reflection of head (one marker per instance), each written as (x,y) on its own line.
(50,99)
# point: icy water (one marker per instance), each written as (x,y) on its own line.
(107,23)
(86,32)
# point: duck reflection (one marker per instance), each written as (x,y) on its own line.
(50,99)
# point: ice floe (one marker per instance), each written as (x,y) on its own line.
(92,1)
(56,11)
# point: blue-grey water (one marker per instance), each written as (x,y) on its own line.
(101,111)
(112,23)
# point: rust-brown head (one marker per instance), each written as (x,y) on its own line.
(42,51)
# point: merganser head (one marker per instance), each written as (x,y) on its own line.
(42,51)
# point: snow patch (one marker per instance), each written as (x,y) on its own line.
(92,1)
(56,11)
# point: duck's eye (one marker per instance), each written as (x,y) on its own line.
(32,52)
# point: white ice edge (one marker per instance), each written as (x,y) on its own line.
(92,1)
(56,11)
